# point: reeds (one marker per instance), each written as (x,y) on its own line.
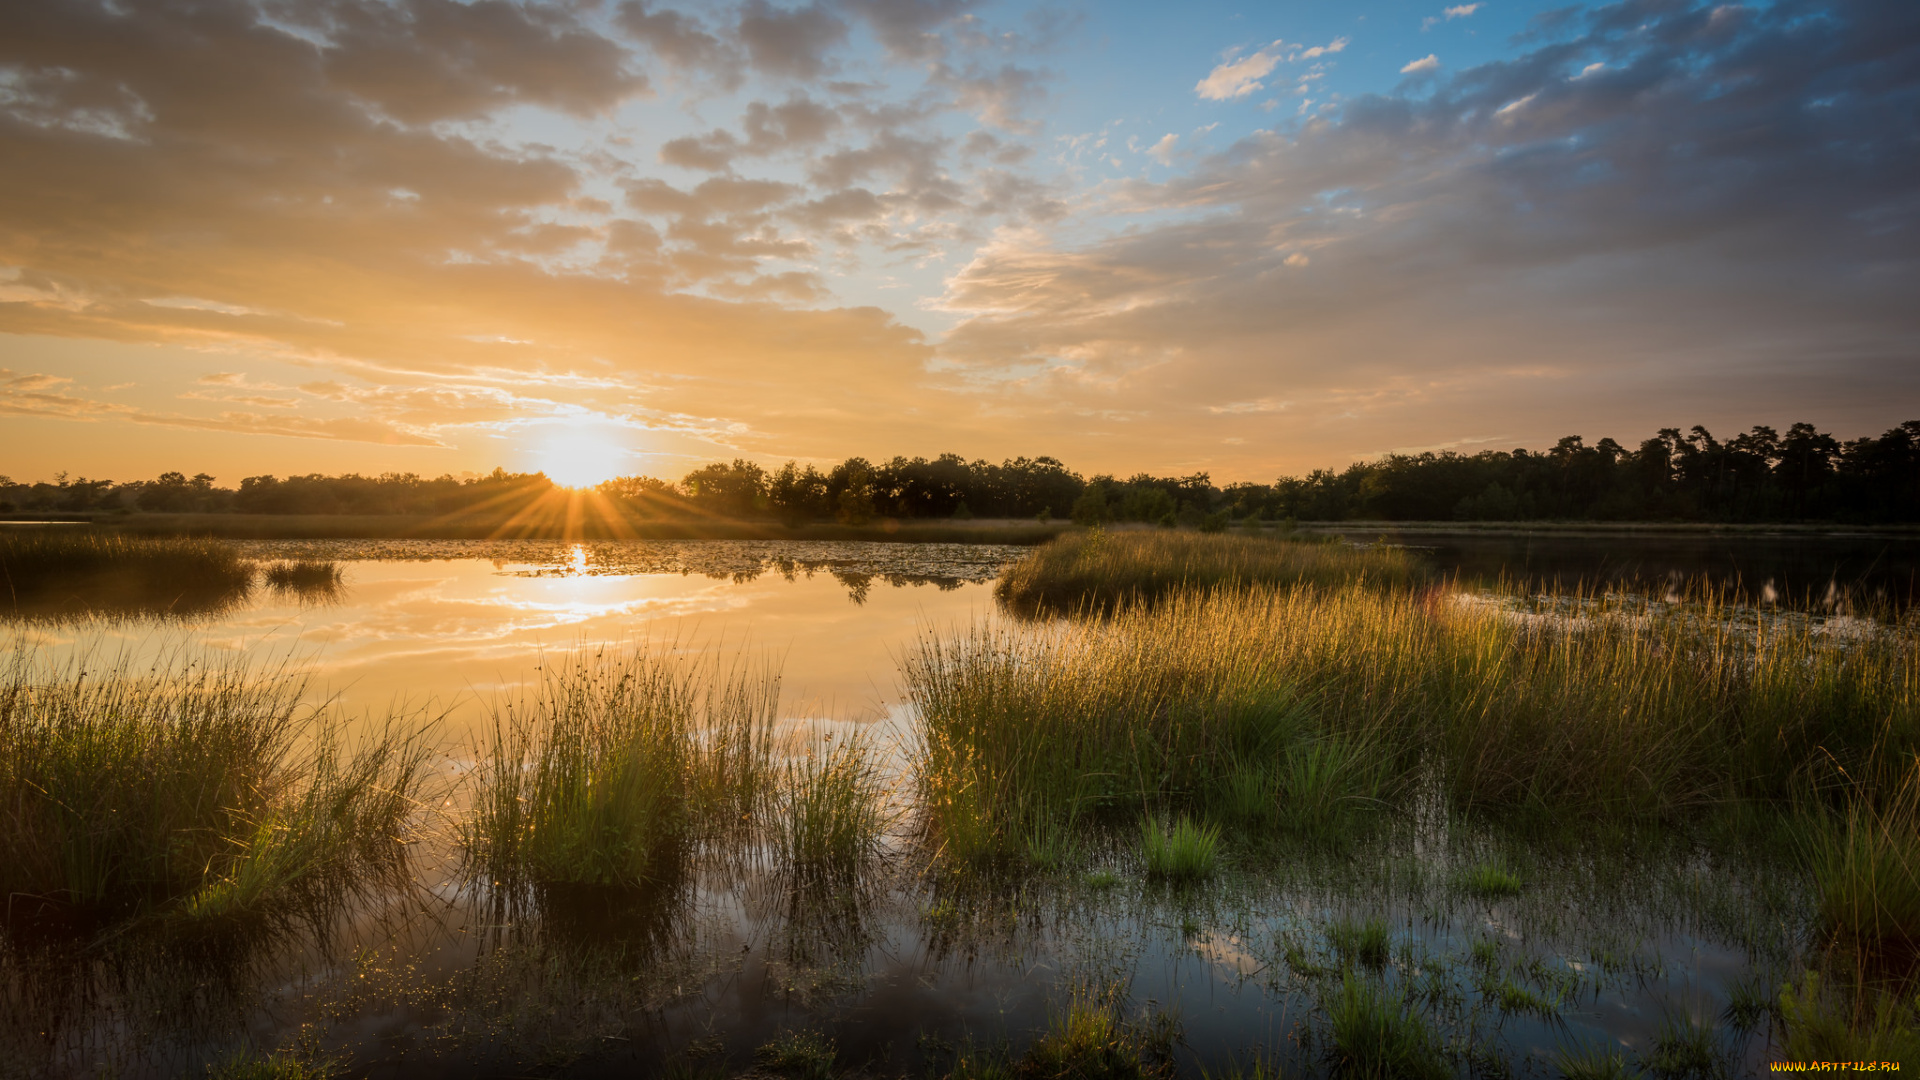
(617,767)
(1100,570)
(53,570)
(1334,697)
(831,810)
(198,791)
(307,577)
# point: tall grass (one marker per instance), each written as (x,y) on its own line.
(831,810)
(1345,694)
(1866,870)
(1100,570)
(307,577)
(617,767)
(70,568)
(199,791)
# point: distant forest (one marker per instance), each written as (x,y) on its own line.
(1760,476)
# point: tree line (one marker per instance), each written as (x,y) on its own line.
(1758,476)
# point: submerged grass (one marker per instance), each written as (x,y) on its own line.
(618,766)
(197,791)
(1100,570)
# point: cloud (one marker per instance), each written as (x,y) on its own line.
(1600,244)
(1461,11)
(1237,78)
(789,42)
(426,60)
(1162,151)
(1427,63)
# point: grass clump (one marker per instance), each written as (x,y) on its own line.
(304,576)
(617,767)
(1866,873)
(1089,1042)
(67,571)
(276,1066)
(1491,880)
(1101,570)
(1366,942)
(831,808)
(198,791)
(1187,852)
(1824,1024)
(801,1055)
(1593,1063)
(1380,1039)
(1347,695)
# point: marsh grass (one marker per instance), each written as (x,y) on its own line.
(1824,1022)
(1099,570)
(65,570)
(1491,880)
(1186,852)
(618,766)
(1346,696)
(1090,1041)
(1377,1037)
(1366,942)
(832,808)
(1866,870)
(304,577)
(197,792)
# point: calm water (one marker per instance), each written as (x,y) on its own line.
(1801,570)
(903,972)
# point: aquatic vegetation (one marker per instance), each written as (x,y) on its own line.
(304,575)
(620,763)
(1379,1038)
(1089,1042)
(1186,852)
(50,570)
(1491,880)
(1593,1063)
(1866,871)
(1685,1047)
(831,811)
(1100,570)
(277,1066)
(800,1055)
(1824,1023)
(198,791)
(1349,694)
(1365,942)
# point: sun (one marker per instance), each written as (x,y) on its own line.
(580,457)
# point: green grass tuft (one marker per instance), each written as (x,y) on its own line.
(831,811)
(1377,1038)
(1491,880)
(1187,852)
(1593,1063)
(1365,942)
(199,791)
(621,764)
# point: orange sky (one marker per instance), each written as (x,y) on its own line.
(435,236)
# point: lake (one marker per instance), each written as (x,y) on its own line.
(1618,942)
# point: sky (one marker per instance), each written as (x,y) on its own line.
(597,238)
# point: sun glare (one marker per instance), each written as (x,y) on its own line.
(580,457)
